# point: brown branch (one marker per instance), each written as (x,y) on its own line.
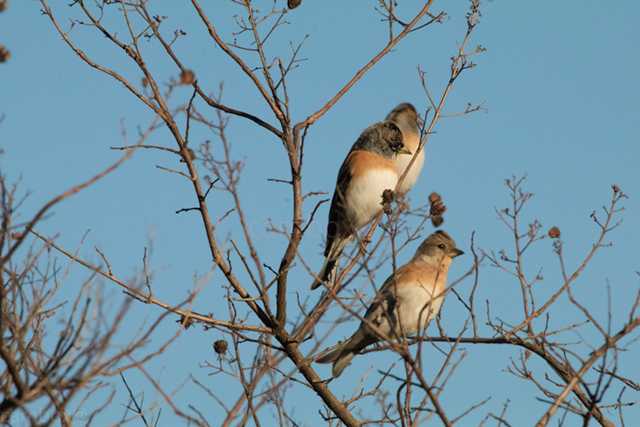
(318,385)
(149,299)
(209,100)
(243,66)
(70,192)
(595,355)
(362,71)
(93,64)
(569,279)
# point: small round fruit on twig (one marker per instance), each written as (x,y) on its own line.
(187,77)
(4,54)
(554,232)
(220,347)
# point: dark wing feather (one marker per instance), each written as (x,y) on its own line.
(383,307)
(338,225)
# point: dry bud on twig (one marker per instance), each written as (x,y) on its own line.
(220,346)
(436,209)
(554,232)
(185,321)
(187,77)
(387,197)
(4,54)
(192,155)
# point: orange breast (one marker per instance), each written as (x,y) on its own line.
(361,161)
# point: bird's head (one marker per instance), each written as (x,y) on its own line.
(438,248)
(406,117)
(396,145)
(384,138)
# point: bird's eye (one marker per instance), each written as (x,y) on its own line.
(441,246)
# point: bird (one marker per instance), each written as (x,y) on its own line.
(405,116)
(405,303)
(367,171)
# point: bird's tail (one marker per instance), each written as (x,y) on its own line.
(324,275)
(342,353)
(330,261)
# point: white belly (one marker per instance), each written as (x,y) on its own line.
(416,307)
(364,195)
(401,162)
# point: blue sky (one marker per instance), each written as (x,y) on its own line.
(559,85)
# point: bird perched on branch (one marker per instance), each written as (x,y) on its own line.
(405,304)
(406,118)
(365,174)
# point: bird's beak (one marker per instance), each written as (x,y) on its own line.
(405,150)
(456,252)
(420,122)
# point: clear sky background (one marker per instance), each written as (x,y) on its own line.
(559,82)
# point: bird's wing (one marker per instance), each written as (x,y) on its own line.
(338,224)
(382,311)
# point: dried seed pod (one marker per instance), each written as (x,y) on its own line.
(554,232)
(220,347)
(437,220)
(4,54)
(436,209)
(185,321)
(191,154)
(187,77)
(387,197)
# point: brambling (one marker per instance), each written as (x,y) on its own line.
(405,304)
(406,118)
(365,174)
